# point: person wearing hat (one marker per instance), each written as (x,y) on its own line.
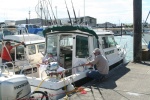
(101,64)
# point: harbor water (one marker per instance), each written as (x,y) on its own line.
(127,41)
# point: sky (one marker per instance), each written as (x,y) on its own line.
(114,11)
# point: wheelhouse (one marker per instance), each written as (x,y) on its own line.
(74,45)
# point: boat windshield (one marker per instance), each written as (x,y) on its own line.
(51,44)
(13,31)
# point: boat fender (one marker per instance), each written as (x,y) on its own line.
(70,87)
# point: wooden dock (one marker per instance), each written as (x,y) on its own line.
(130,81)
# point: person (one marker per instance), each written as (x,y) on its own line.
(101,65)
(49,58)
(5,55)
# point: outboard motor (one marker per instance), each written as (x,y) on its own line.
(15,87)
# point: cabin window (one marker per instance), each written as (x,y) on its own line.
(66,43)
(20,52)
(66,40)
(41,47)
(95,43)
(108,42)
(52,44)
(31,49)
(82,50)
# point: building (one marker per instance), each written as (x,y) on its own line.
(87,20)
(106,25)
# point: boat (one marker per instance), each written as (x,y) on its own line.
(73,46)
(24,60)
(32,28)
(146,35)
(30,55)
(24,57)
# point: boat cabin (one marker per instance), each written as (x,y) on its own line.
(28,55)
(74,45)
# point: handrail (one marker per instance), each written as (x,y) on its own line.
(4,65)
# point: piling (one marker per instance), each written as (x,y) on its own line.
(137,23)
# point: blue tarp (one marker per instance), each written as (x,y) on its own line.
(34,30)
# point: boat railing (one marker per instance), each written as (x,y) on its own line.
(5,66)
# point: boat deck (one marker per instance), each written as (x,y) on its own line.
(128,82)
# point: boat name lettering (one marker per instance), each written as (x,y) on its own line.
(109,52)
(21,85)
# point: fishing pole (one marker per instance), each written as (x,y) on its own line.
(53,12)
(68,13)
(49,16)
(74,12)
(42,6)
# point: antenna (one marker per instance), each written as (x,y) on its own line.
(68,13)
(74,12)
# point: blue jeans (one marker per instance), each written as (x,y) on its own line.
(95,75)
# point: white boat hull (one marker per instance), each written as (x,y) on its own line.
(55,87)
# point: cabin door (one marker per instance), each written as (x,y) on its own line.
(66,46)
(80,52)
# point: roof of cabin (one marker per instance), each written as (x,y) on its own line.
(70,28)
(27,38)
(103,32)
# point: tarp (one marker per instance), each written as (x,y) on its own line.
(34,30)
(70,28)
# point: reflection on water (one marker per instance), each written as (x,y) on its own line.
(122,40)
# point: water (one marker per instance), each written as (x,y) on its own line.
(128,41)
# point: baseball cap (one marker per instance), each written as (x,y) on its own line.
(96,50)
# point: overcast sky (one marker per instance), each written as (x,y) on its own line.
(114,11)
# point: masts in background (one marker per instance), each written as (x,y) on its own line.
(53,12)
(68,13)
(74,12)
(43,10)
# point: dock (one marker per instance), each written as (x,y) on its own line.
(130,81)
